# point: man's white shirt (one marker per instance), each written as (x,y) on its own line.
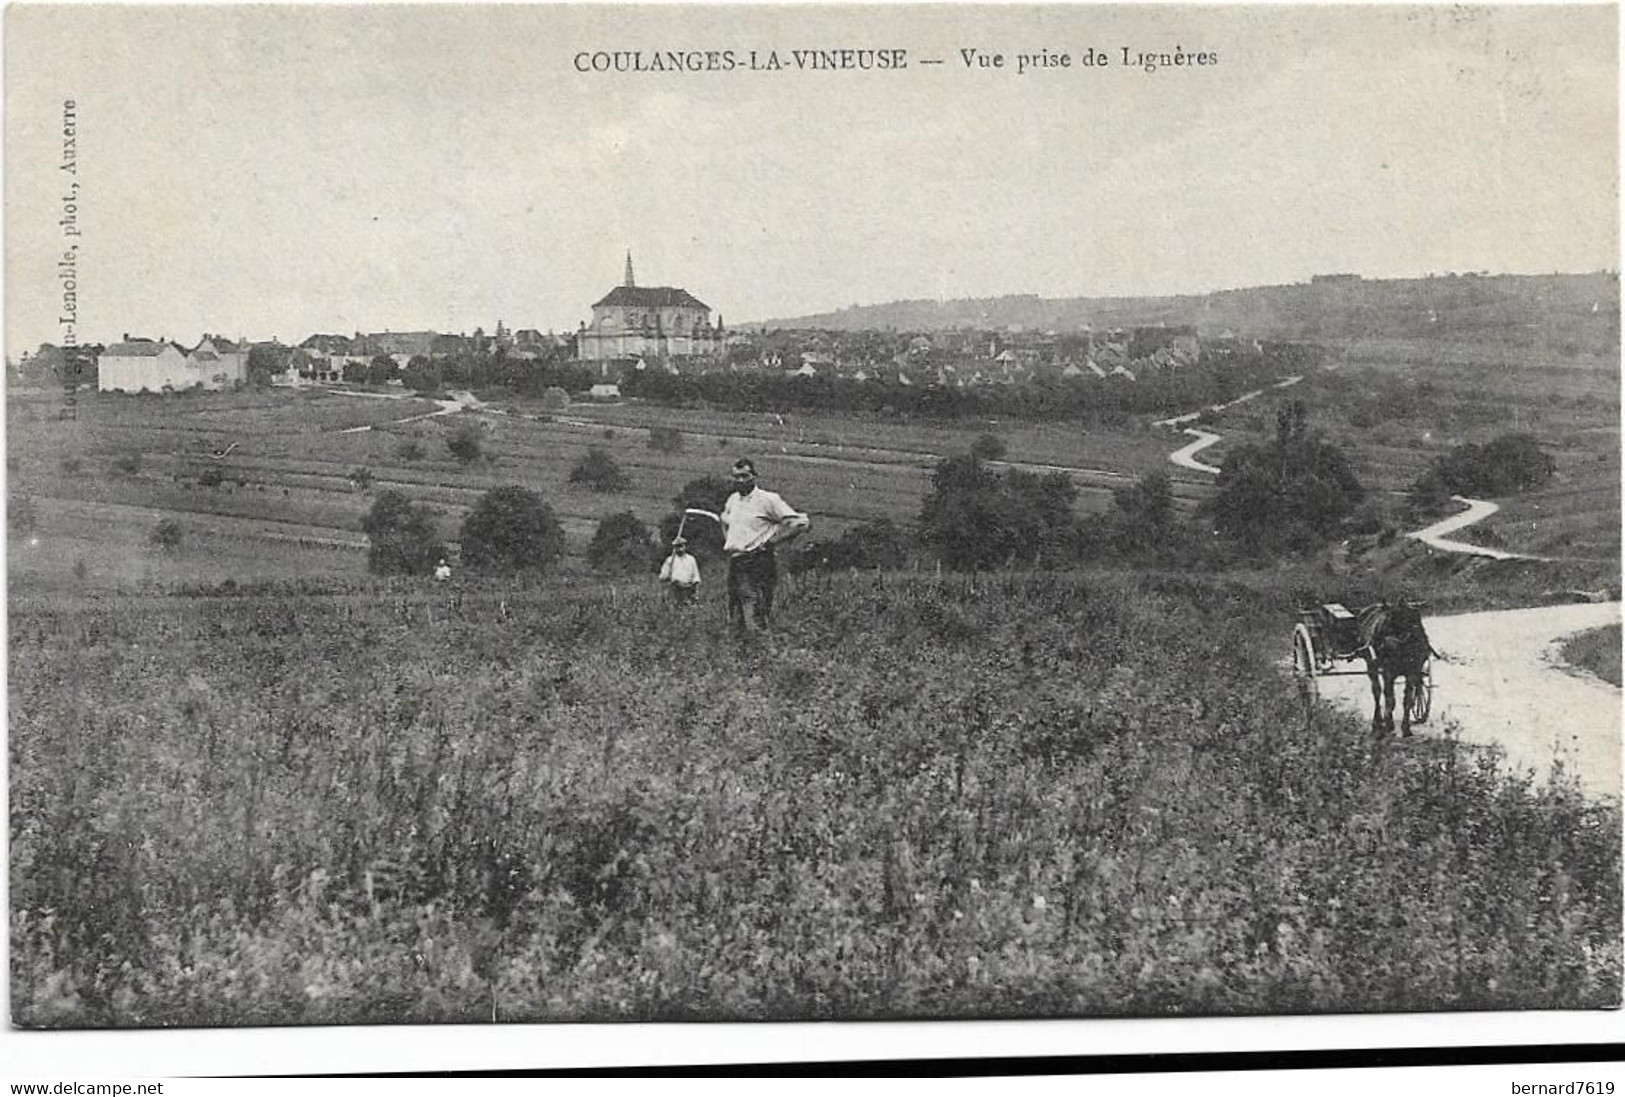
(750,521)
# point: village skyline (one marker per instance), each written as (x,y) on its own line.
(353,169)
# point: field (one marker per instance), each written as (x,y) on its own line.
(1033,795)
(251,784)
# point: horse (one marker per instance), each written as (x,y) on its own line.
(1395,646)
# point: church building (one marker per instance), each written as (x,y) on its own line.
(634,321)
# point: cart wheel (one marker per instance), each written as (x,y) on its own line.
(1422,699)
(1304,665)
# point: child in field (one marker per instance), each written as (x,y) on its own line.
(682,571)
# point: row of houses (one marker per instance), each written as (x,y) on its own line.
(155,365)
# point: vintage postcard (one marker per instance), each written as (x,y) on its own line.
(730,513)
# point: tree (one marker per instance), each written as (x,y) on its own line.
(621,545)
(421,374)
(382,369)
(599,471)
(1291,494)
(511,529)
(989,447)
(976,519)
(403,535)
(1143,513)
(265,361)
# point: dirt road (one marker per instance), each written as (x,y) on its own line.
(1435,536)
(1503,683)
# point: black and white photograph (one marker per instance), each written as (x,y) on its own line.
(590,514)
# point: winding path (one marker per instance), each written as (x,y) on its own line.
(1502,683)
(1477,510)
(1186,458)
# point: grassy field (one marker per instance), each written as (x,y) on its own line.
(1597,651)
(1023,795)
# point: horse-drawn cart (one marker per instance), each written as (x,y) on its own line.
(1329,636)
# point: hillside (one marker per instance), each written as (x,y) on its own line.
(1564,315)
(1021,795)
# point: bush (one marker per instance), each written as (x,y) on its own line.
(167,536)
(361,478)
(1510,464)
(620,546)
(511,529)
(1289,495)
(988,447)
(665,439)
(410,450)
(555,399)
(127,463)
(71,465)
(599,471)
(212,477)
(877,544)
(975,519)
(467,443)
(403,534)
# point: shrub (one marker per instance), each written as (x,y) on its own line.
(988,447)
(1291,494)
(878,543)
(361,478)
(621,545)
(167,536)
(410,450)
(665,439)
(467,443)
(511,529)
(212,477)
(555,398)
(1510,464)
(71,465)
(974,518)
(403,535)
(127,463)
(599,471)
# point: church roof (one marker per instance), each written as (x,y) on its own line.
(651,297)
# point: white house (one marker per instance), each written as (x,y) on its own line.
(221,363)
(144,365)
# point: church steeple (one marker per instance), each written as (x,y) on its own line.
(629,282)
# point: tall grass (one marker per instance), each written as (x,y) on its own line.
(1030,795)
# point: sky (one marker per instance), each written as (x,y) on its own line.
(276,171)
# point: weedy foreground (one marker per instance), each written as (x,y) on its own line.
(1029,795)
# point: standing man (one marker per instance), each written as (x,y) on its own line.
(753,521)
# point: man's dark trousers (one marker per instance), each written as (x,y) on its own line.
(753,574)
